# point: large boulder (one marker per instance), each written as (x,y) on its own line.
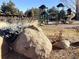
(33,43)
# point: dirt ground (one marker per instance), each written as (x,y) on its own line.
(70,53)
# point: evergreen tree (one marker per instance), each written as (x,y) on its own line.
(9,9)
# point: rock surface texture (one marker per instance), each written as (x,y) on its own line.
(33,44)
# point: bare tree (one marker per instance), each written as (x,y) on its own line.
(70,4)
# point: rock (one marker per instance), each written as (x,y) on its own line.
(33,44)
(73,40)
(1,42)
(62,44)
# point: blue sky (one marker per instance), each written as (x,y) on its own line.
(23,5)
(27,4)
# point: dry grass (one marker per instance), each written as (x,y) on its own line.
(52,30)
(55,33)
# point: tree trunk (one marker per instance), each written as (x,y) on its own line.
(77,9)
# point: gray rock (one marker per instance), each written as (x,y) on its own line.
(62,44)
(33,44)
